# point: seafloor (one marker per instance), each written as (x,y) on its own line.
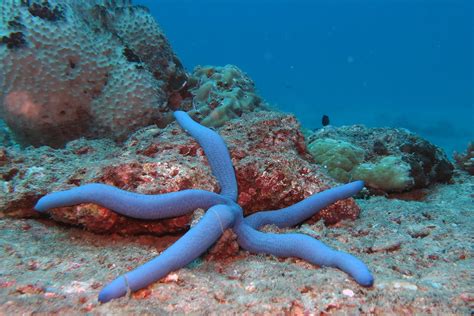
(420,254)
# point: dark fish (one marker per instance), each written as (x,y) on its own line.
(325,120)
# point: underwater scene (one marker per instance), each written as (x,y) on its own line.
(236,157)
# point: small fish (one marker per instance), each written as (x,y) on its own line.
(325,120)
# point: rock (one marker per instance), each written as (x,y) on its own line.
(465,161)
(273,166)
(267,150)
(389,160)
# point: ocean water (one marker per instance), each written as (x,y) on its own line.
(399,63)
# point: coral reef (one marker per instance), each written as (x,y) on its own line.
(220,94)
(90,68)
(465,161)
(267,150)
(388,159)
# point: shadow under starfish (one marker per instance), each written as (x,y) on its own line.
(223,212)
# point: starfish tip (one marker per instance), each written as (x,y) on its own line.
(115,289)
(40,206)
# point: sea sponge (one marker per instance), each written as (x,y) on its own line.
(337,156)
(70,69)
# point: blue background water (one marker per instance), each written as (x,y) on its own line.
(404,63)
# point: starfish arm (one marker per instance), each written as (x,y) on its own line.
(216,152)
(304,247)
(295,214)
(195,242)
(132,204)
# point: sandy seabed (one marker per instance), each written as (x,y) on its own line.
(421,254)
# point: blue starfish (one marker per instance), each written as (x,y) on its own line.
(223,213)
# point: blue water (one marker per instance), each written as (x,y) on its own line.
(403,63)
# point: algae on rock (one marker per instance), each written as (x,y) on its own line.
(388,159)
